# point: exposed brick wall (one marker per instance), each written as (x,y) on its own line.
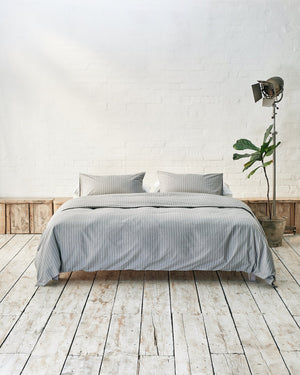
(125,86)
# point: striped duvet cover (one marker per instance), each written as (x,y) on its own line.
(159,231)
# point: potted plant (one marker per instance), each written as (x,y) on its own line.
(273,226)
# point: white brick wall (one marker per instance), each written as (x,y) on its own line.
(117,86)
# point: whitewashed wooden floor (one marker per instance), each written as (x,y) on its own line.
(147,322)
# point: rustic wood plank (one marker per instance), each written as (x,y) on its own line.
(2,218)
(52,347)
(229,364)
(19,218)
(10,249)
(12,272)
(7,218)
(261,351)
(191,347)
(130,289)
(184,298)
(292,360)
(123,336)
(288,288)
(156,292)
(284,209)
(75,293)
(119,363)
(25,333)
(156,365)
(156,334)
(156,330)
(57,202)
(221,332)
(259,209)
(294,242)
(82,365)
(12,363)
(92,331)
(297,217)
(289,258)
(282,325)
(4,238)
(40,214)
(6,324)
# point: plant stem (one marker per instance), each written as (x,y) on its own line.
(268,191)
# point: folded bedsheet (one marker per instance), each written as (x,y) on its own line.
(158,231)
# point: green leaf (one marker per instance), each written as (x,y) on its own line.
(248,165)
(245,144)
(269,151)
(254,170)
(240,156)
(256,156)
(267,163)
(267,133)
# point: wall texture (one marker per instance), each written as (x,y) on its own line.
(113,87)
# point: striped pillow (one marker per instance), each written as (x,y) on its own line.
(121,184)
(191,183)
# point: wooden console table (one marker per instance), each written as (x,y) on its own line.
(31,215)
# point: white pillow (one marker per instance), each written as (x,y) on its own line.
(226,189)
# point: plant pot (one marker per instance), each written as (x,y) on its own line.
(273,229)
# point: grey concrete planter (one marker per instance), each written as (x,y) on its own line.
(273,229)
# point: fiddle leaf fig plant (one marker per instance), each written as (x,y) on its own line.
(258,155)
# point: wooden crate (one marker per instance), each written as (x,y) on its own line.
(2,218)
(25,215)
(286,207)
(57,202)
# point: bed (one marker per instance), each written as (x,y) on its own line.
(153,231)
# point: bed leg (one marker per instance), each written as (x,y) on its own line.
(251,277)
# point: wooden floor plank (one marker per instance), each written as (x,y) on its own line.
(191,347)
(130,289)
(4,238)
(14,303)
(119,363)
(12,247)
(156,330)
(156,292)
(123,334)
(288,289)
(221,332)
(154,365)
(26,332)
(282,325)
(292,360)
(260,348)
(229,364)
(53,346)
(294,242)
(12,363)
(156,335)
(184,298)
(11,273)
(92,331)
(82,365)
(290,259)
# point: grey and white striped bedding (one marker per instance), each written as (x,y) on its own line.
(159,231)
